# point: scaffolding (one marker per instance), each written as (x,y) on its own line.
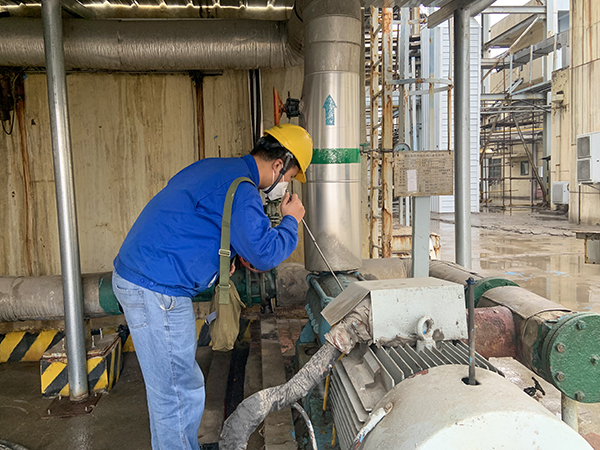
(511,144)
(515,115)
(401,75)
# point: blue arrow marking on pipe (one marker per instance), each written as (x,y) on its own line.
(329,107)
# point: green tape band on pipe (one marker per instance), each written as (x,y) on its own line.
(336,156)
(106,296)
(485,284)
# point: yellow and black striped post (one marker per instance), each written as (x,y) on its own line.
(104,366)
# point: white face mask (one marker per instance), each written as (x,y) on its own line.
(278,191)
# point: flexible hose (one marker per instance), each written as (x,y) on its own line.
(252,411)
(309,425)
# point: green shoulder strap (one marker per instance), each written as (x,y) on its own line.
(224,252)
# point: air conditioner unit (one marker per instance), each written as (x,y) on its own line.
(588,158)
(560,192)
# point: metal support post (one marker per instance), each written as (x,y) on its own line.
(403,58)
(485,36)
(471,306)
(462,143)
(387,134)
(65,199)
(420,236)
(568,410)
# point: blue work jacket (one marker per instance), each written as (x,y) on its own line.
(173,246)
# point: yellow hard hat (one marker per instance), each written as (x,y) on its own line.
(297,140)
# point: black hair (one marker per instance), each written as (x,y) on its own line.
(269,149)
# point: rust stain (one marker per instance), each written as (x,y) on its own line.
(422,372)
(26,167)
(495,334)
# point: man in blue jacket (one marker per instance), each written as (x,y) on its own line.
(172,253)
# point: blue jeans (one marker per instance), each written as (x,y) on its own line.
(163,329)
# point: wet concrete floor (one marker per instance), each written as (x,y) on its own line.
(539,252)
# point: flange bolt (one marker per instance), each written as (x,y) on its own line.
(559,376)
(579,396)
(560,348)
(581,325)
(594,359)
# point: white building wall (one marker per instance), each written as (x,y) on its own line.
(445,203)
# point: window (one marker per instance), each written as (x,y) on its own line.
(524,167)
(495,168)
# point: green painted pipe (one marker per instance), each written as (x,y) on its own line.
(560,345)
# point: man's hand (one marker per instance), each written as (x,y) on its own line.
(292,206)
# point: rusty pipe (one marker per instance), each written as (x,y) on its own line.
(495,334)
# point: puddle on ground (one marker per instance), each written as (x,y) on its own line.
(551,266)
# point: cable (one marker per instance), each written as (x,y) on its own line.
(309,425)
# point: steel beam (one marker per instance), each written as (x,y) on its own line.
(527,9)
(500,97)
(505,40)
(473,7)
(65,199)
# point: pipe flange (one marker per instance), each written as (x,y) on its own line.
(571,356)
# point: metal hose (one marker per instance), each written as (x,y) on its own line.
(252,411)
(309,425)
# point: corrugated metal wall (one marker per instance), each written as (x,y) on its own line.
(130,134)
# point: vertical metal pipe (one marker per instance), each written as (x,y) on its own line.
(387,134)
(65,199)
(462,143)
(551,28)
(485,36)
(332,30)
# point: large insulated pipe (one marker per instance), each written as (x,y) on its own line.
(169,44)
(65,199)
(34,298)
(462,142)
(332,38)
